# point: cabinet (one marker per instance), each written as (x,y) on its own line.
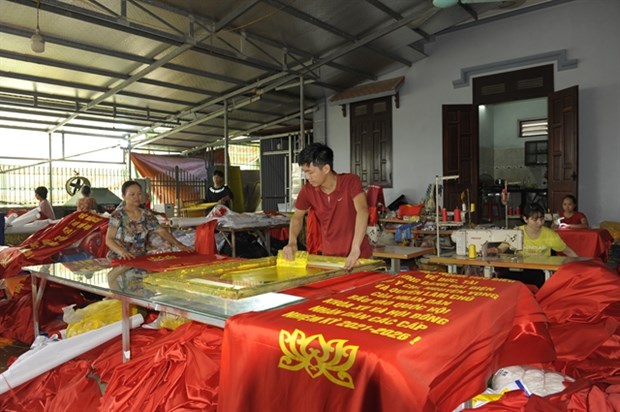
(536,153)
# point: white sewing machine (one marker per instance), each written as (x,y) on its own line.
(481,238)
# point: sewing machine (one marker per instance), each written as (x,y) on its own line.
(482,238)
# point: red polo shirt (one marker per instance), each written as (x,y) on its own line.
(336,214)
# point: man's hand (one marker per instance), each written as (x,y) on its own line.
(289,251)
(352,259)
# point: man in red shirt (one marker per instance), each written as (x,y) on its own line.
(339,201)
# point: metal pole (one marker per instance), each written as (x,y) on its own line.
(302,132)
(226,142)
(51,180)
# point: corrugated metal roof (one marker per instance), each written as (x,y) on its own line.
(160,72)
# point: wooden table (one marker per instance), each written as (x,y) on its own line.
(398,253)
(548,264)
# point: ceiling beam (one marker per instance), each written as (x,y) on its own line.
(327,27)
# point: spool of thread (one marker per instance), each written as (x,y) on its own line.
(471,252)
(518,211)
(444,215)
(510,211)
(457,215)
(472,208)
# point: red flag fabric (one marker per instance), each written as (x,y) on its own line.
(179,372)
(45,243)
(418,341)
(582,303)
(162,262)
(314,240)
(205,238)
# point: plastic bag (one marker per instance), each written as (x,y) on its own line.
(93,316)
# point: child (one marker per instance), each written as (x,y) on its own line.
(45,208)
(538,240)
(569,216)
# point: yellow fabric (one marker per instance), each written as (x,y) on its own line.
(96,315)
(613,228)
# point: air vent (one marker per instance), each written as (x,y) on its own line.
(492,89)
(533,83)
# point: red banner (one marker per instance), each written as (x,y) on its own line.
(418,341)
(45,243)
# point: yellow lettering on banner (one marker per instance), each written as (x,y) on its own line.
(356,315)
(318,356)
(381,295)
(415,340)
(362,299)
(302,316)
(412,325)
(430,318)
(339,303)
(326,311)
(395,308)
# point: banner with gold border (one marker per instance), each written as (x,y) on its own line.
(419,341)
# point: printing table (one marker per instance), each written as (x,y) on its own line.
(197,292)
(126,284)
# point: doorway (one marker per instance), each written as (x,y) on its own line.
(460,132)
(510,157)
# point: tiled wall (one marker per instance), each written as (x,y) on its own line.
(509,164)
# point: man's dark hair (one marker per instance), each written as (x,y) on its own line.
(317,154)
(218,173)
(533,210)
(41,191)
(85,190)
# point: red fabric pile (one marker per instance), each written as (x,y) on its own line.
(581,301)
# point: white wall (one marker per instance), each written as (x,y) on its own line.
(506,118)
(587,29)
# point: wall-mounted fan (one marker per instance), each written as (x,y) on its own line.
(75,184)
(444,4)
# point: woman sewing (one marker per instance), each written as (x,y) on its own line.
(538,240)
(130,226)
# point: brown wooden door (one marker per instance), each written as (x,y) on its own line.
(460,153)
(371,141)
(563,146)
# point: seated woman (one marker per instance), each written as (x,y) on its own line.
(86,203)
(538,240)
(45,208)
(569,216)
(130,226)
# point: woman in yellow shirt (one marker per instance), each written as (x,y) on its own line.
(538,240)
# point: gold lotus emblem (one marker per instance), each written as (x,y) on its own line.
(318,356)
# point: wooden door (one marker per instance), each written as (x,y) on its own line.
(563,146)
(460,153)
(371,141)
